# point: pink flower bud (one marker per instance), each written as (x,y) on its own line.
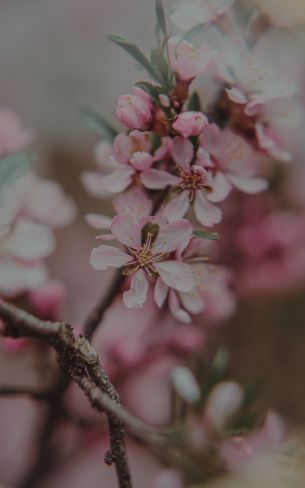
(190,123)
(134,111)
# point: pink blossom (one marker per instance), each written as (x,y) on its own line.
(29,208)
(190,123)
(146,256)
(187,61)
(134,111)
(13,136)
(233,160)
(271,259)
(194,184)
(194,12)
(129,154)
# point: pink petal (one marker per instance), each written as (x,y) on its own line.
(141,160)
(250,185)
(119,180)
(176,275)
(178,207)
(155,179)
(221,188)
(160,292)
(127,231)
(104,257)
(236,95)
(15,277)
(134,202)
(98,221)
(122,147)
(192,302)
(203,158)
(30,241)
(182,152)
(206,213)
(172,235)
(176,309)
(94,184)
(136,296)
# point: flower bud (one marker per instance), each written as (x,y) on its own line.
(185,384)
(190,123)
(133,111)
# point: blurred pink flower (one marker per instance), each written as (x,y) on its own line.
(13,136)
(187,61)
(233,160)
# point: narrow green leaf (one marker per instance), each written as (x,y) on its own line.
(160,14)
(194,103)
(152,90)
(211,236)
(134,52)
(97,123)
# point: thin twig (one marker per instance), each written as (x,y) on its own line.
(24,390)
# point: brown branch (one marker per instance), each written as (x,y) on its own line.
(79,359)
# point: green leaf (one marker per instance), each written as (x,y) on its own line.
(160,65)
(96,122)
(194,103)
(13,167)
(134,52)
(202,234)
(160,14)
(152,90)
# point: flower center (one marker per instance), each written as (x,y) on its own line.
(144,258)
(192,181)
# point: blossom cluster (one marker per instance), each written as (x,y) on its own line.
(183,153)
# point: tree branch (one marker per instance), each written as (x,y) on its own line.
(79,359)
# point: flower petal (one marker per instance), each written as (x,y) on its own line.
(94,184)
(176,275)
(206,213)
(176,309)
(172,235)
(155,179)
(15,277)
(192,302)
(249,185)
(221,188)
(182,152)
(178,207)
(160,292)
(141,160)
(30,241)
(104,257)
(119,180)
(127,231)
(136,296)
(98,221)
